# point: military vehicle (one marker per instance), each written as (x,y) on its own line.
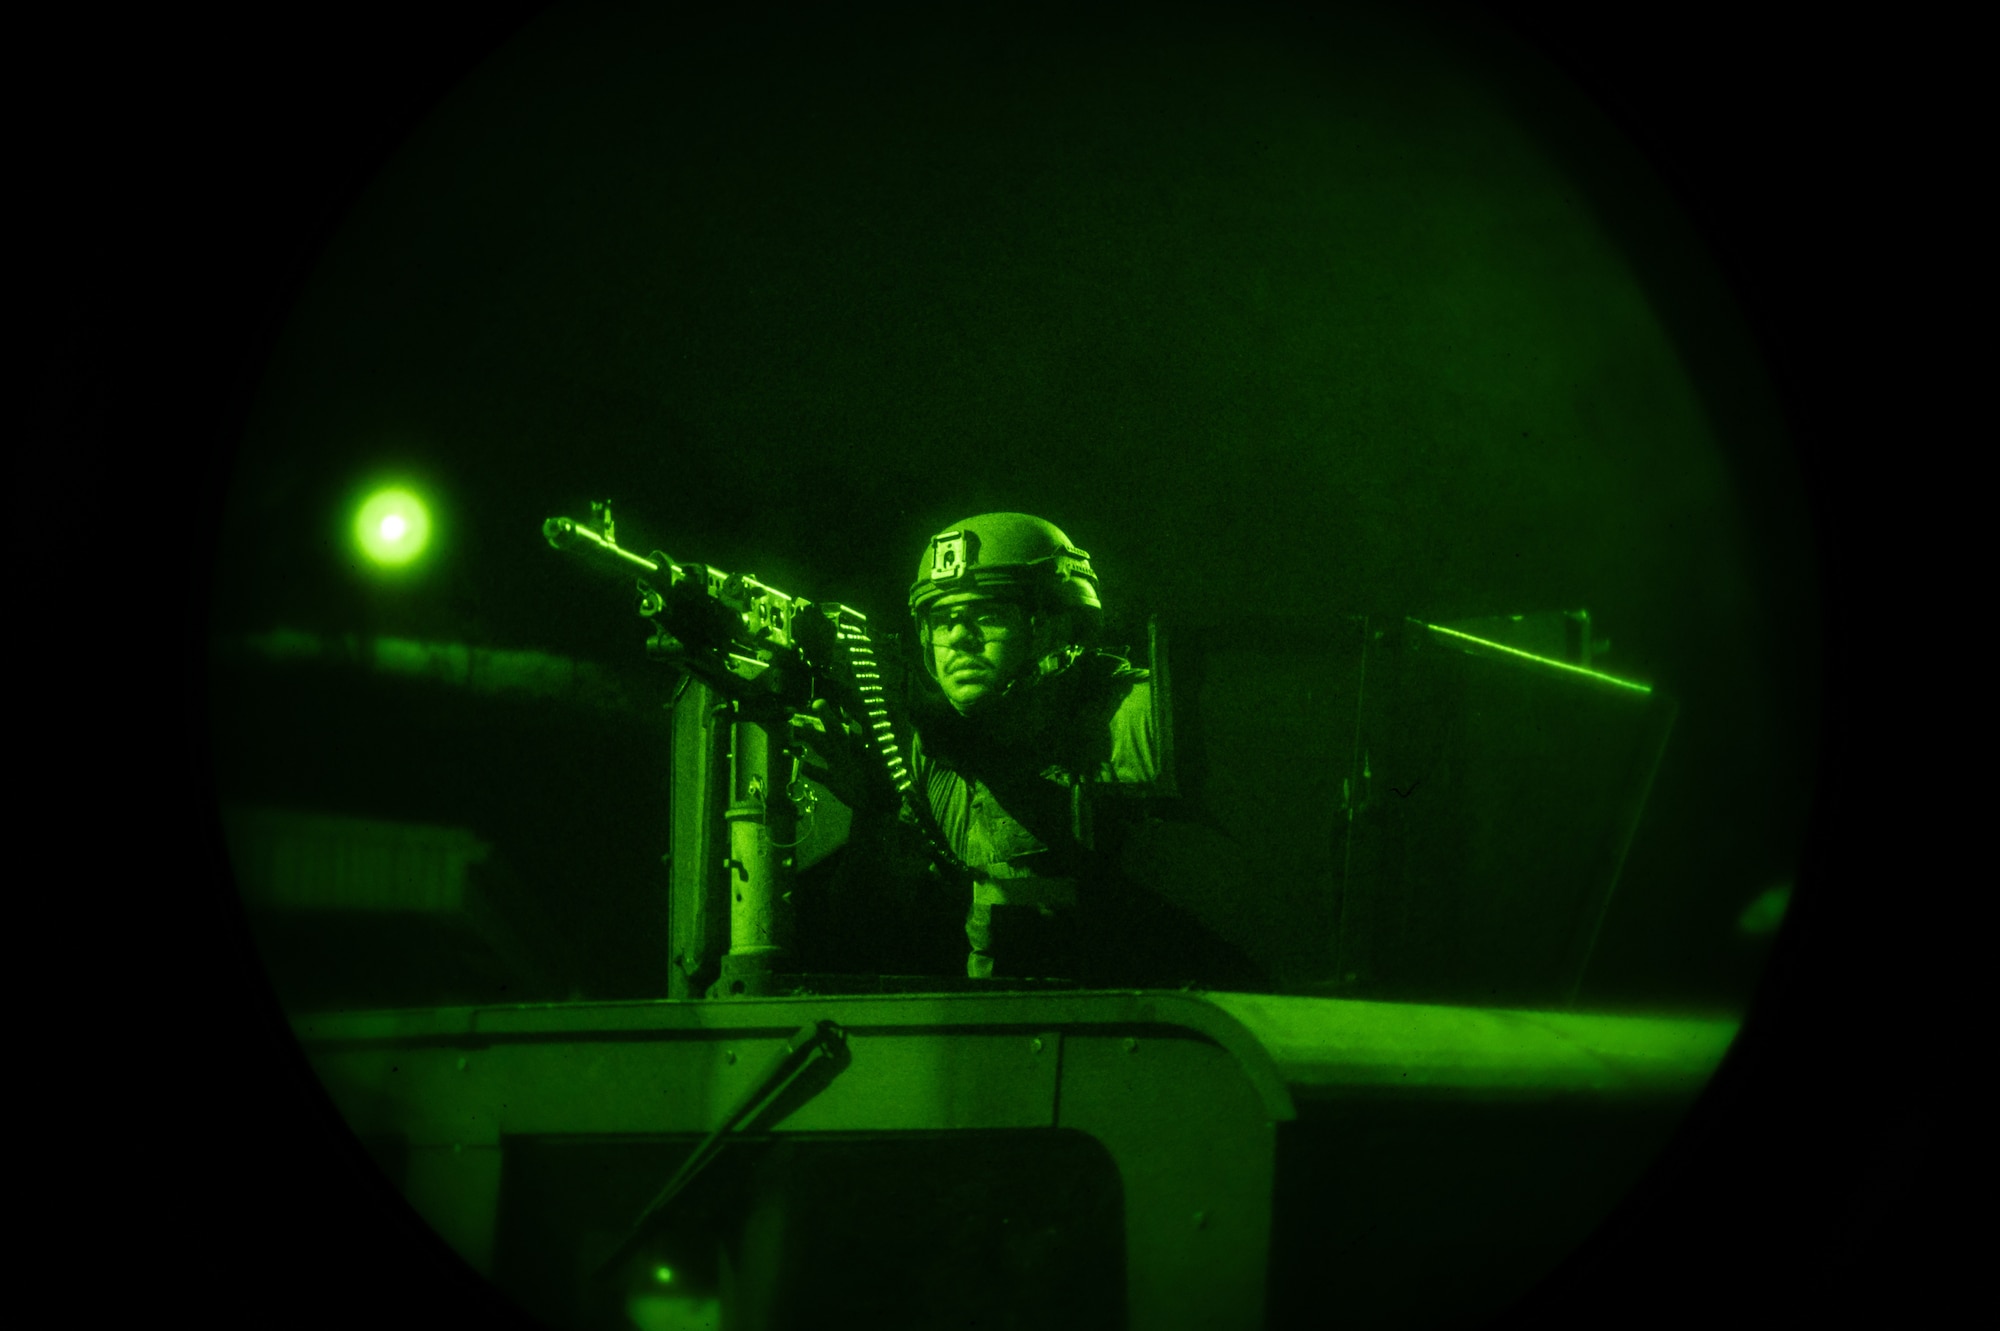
(1414,1135)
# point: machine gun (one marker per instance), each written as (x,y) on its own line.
(776,664)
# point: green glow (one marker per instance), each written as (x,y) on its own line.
(664,1274)
(1763,915)
(392,527)
(663,1312)
(1543,660)
(1328,1043)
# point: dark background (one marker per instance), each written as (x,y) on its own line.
(175,284)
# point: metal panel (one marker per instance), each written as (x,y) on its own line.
(456,1189)
(1185,1092)
(447,1095)
(1194,1148)
(1170,1084)
(1494,800)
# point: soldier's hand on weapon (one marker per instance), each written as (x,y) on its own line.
(841,745)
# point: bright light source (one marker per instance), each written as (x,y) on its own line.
(663,1274)
(392,527)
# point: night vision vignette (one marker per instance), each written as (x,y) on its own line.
(1187,671)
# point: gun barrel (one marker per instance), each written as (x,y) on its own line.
(569,534)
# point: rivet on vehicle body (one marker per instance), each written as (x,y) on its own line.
(1035,1045)
(1131,1045)
(461,1065)
(729,1056)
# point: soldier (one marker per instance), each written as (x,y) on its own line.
(1038,731)
(1036,756)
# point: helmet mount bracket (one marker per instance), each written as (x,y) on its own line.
(952,553)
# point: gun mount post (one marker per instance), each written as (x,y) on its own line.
(762,828)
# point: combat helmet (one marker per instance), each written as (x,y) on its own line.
(1009,555)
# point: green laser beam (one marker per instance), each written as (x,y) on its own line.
(1543,660)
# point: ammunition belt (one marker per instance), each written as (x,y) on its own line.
(851,632)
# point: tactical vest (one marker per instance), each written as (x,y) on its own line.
(1029,835)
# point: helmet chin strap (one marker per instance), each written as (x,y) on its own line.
(1051,666)
(1057,662)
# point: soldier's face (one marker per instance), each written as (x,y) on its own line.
(979,646)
